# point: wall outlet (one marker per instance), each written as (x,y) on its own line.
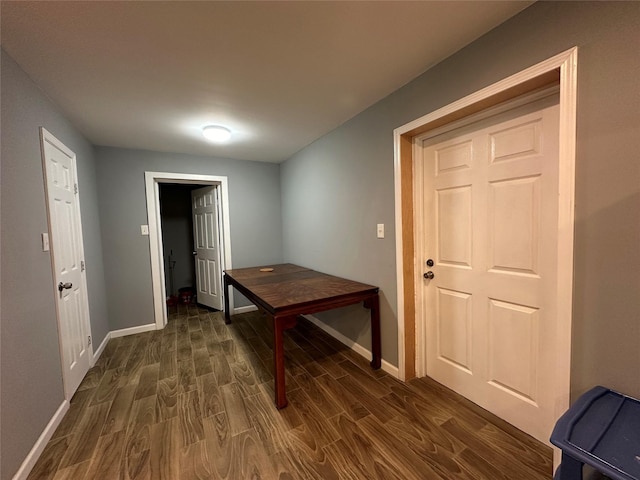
(380,230)
(144,229)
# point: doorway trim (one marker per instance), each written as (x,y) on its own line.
(558,70)
(152,181)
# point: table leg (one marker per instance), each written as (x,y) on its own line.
(280,324)
(373,304)
(225,292)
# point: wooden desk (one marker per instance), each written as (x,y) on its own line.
(289,291)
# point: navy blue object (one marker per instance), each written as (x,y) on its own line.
(601,429)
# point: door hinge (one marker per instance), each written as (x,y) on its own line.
(82,265)
(89,340)
(75,188)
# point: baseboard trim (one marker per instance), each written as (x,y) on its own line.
(133,330)
(356,347)
(248,308)
(100,349)
(38,447)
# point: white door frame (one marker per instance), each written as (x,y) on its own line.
(47,137)
(565,64)
(152,181)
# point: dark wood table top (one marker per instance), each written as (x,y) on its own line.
(291,287)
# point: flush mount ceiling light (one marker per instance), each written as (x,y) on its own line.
(216,133)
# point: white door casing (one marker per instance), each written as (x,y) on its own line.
(490,226)
(152,191)
(67,259)
(206,240)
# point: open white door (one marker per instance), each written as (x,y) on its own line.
(67,255)
(206,238)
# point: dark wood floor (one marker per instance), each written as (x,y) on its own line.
(195,401)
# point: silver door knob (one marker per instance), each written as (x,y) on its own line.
(64,286)
(194,253)
(429,275)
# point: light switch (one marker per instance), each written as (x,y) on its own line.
(381,230)
(144,229)
(45,242)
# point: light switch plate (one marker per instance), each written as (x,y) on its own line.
(144,229)
(380,230)
(45,242)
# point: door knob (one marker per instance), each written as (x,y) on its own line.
(194,253)
(429,275)
(64,286)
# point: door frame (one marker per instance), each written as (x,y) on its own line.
(152,188)
(48,137)
(558,70)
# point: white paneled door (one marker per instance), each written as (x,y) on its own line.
(206,238)
(490,240)
(67,260)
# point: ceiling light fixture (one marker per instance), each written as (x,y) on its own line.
(216,133)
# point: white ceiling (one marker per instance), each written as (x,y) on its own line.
(150,75)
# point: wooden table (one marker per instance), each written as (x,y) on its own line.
(289,291)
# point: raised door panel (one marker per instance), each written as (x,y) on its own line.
(453,157)
(513,349)
(202,276)
(514,229)
(454,228)
(455,322)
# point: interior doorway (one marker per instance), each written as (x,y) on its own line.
(190,220)
(160,278)
(177,241)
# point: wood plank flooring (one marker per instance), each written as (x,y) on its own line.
(195,401)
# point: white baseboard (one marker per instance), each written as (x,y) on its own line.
(100,349)
(133,330)
(356,347)
(248,308)
(38,447)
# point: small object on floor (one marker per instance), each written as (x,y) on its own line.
(172,301)
(266,269)
(187,295)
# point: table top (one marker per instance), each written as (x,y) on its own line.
(289,286)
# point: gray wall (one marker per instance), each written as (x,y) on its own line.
(31,377)
(177,235)
(254,212)
(333,194)
(338,188)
